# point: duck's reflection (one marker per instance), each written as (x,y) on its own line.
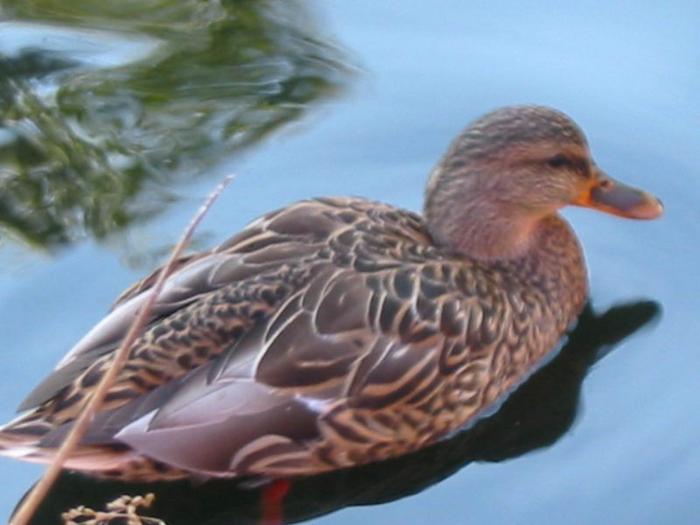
(534,416)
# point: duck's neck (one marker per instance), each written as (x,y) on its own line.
(485,231)
(543,251)
(556,266)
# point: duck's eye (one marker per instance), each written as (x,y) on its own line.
(559,161)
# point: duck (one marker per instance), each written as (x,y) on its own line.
(340,331)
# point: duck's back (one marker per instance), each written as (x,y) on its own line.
(327,334)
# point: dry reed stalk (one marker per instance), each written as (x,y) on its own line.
(37,494)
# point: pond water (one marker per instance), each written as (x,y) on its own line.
(117,120)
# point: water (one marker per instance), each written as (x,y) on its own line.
(370,118)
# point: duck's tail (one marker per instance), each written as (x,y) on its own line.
(22,439)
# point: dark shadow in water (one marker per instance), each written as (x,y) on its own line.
(536,415)
(88,150)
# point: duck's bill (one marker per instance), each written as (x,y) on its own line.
(611,196)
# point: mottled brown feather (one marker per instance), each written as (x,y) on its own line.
(330,328)
(330,333)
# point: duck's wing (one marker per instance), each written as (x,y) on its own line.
(150,280)
(276,242)
(271,384)
(350,363)
(344,365)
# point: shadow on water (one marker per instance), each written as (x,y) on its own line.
(90,143)
(536,415)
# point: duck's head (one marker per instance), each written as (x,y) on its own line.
(510,169)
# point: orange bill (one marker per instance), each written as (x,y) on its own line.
(608,195)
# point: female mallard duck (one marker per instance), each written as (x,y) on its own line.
(340,331)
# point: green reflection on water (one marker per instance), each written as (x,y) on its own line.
(87,151)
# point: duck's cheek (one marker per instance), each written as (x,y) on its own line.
(551,197)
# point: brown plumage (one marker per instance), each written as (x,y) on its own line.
(340,331)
